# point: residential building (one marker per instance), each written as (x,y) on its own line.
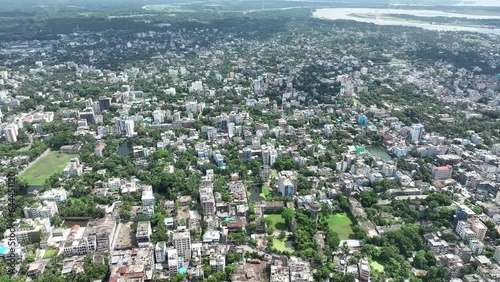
(181,239)
(143,234)
(161,252)
(11,132)
(129,128)
(287,183)
(442,172)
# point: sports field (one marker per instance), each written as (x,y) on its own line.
(53,162)
(341,224)
(278,222)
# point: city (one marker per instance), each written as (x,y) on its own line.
(249,143)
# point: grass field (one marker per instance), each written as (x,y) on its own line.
(279,245)
(341,224)
(278,222)
(52,163)
(49,253)
(377,266)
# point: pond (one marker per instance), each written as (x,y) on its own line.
(29,191)
(379,152)
(124,148)
(255,191)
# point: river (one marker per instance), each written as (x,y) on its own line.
(379,17)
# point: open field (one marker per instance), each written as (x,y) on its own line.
(53,162)
(280,245)
(341,224)
(278,222)
(50,253)
(377,266)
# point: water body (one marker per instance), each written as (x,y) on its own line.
(255,193)
(29,191)
(379,17)
(379,152)
(124,148)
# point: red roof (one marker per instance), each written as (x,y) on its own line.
(442,168)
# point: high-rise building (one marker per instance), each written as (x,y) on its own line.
(129,128)
(287,183)
(182,242)
(416,132)
(463,213)
(89,103)
(364,270)
(11,133)
(104,103)
(161,252)
(159,116)
(88,114)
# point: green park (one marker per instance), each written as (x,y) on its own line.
(53,162)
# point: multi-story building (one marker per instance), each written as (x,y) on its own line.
(496,256)
(30,230)
(43,210)
(147,198)
(173,261)
(11,132)
(97,236)
(435,244)
(463,213)
(181,239)
(364,270)
(74,168)
(279,274)
(442,172)
(129,128)
(54,195)
(207,199)
(104,103)
(161,252)
(287,183)
(218,262)
(478,227)
(143,234)
(88,115)
(416,132)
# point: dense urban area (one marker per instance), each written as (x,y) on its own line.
(263,145)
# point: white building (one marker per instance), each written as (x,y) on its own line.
(74,168)
(197,86)
(416,132)
(129,128)
(182,242)
(287,183)
(147,198)
(11,132)
(161,252)
(45,210)
(54,195)
(191,106)
(159,116)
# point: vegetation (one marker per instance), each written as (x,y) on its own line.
(39,172)
(340,224)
